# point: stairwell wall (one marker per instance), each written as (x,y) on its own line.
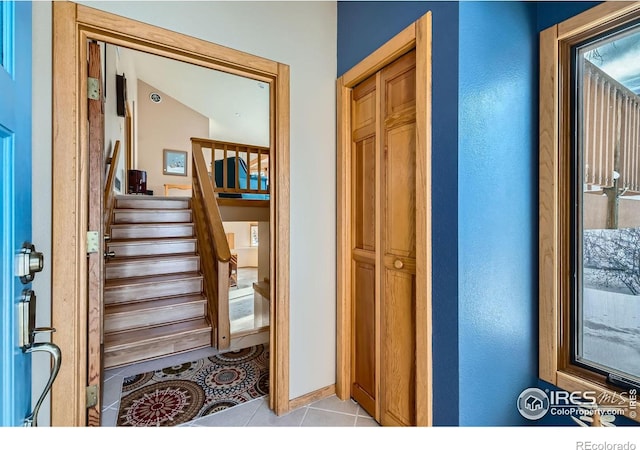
(304,36)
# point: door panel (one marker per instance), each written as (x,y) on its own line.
(400,199)
(364,379)
(15,203)
(365,194)
(398,218)
(364,389)
(398,349)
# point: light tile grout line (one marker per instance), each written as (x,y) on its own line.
(306,411)
(246,424)
(331,411)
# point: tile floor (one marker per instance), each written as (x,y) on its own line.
(329,412)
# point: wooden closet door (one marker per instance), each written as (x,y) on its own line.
(398,252)
(384,235)
(363,296)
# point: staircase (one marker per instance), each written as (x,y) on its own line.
(154,303)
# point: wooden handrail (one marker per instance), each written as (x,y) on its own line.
(108,187)
(213,248)
(256,160)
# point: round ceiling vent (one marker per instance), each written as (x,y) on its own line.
(155,97)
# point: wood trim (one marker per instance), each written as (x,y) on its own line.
(389,51)
(170,43)
(128,136)
(96,196)
(554,200)
(280,256)
(379,264)
(343,250)
(67,248)
(311,397)
(72,25)
(548,211)
(592,18)
(424,375)
(573,383)
(403,42)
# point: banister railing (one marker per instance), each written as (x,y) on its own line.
(611,137)
(108,187)
(237,168)
(213,248)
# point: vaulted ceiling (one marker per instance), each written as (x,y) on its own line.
(238,107)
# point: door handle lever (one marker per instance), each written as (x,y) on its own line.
(32,419)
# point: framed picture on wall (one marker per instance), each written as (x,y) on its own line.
(174,162)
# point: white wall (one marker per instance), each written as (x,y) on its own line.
(166,125)
(304,36)
(247,255)
(113,124)
(41,191)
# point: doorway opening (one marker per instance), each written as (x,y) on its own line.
(73,309)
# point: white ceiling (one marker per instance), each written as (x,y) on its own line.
(238,107)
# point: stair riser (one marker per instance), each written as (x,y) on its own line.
(140,269)
(148,249)
(141,216)
(145,350)
(135,292)
(151,317)
(141,203)
(141,232)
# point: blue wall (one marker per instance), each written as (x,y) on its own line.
(550,13)
(363,27)
(485,203)
(497,209)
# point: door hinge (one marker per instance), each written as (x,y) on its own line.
(92,242)
(92,395)
(93,88)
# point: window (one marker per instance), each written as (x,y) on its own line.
(253,228)
(590,204)
(606,195)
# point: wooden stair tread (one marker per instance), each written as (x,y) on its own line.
(151,210)
(154,303)
(146,241)
(152,279)
(124,339)
(150,258)
(152,224)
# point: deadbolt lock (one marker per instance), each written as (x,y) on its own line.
(28,263)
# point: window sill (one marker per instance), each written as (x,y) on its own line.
(617,398)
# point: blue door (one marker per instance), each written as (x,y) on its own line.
(15,202)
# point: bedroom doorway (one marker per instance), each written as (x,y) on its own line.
(74,25)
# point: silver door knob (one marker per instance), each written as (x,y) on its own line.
(109,254)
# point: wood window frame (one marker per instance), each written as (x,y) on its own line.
(418,36)
(555,364)
(73,25)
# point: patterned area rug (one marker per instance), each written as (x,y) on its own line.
(179,394)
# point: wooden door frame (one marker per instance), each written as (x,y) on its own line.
(418,36)
(73,25)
